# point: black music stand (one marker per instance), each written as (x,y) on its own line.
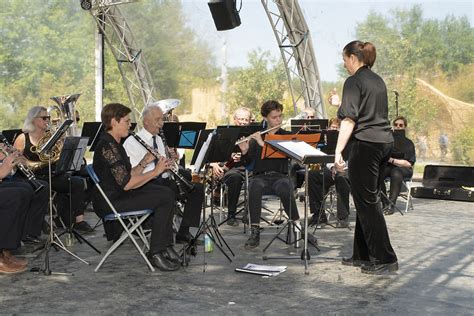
(306,126)
(182,134)
(299,151)
(71,159)
(216,146)
(94,130)
(53,239)
(11,134)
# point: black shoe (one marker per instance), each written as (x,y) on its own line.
(232,222)
(254,239)
(83,227)
(389,211)
(158,260)
(32,240)
(315,220)
(381,268)
(353,263)
(187,239)
(342,223)
(172,255)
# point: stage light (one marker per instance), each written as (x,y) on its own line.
(86,4)
(225,14)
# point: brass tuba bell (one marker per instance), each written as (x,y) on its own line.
(65,109)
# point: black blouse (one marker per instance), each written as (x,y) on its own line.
(364,100)
(112,165)
(404,149)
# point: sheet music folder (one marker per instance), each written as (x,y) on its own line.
(93,130)
(301,151)
(272,152)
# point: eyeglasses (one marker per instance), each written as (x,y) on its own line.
(310,117)
(44,118)
(399,125)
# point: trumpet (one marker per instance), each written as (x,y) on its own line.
(29,175)
(184,185)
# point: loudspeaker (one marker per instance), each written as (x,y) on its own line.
(224,13)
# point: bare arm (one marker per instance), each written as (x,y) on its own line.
(400,163)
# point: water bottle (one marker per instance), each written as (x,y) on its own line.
(208,245)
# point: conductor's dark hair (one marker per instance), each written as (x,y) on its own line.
(113,110)
(364,51)
(269,106)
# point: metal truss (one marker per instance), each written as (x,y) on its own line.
(129,57)
(294,41)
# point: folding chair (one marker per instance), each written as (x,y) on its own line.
(131,222)
(406,195)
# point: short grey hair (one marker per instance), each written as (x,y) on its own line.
(28,126)
(151,106)
(243,109)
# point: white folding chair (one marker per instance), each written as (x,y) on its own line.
(407,184)
(131,222)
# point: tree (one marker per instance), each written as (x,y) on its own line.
(264,79)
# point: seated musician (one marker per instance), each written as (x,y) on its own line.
(400,164)
(15,200)
(35,130)
(232,174)
(130,189)
(270,176)
(151,134)
(331,177)
(38,203)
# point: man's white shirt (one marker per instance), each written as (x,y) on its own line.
(136,151)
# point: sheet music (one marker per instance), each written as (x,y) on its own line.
(301,149)
(202,153)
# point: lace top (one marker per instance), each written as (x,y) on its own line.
(112,165)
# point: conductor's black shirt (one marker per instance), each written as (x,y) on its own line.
(364,100)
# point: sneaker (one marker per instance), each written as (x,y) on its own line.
(83,227)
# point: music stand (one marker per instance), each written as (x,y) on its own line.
(218,146)
(11,134)
(306,126)
(53,239)
(271,152)
(304,154)
(70,160)
(182,134)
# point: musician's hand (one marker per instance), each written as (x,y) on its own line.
(173,154)
(149,158)
(244,146)
(2,156)
(236,156)
(339,163)
(10,161)
(170,164)
(217,171)
(160,167)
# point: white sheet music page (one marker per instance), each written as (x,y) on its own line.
(301,149)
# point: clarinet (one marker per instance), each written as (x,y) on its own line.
(27,173)
(183,184)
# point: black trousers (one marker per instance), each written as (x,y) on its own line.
(37,208)
(193,203)
(271,183)
(15,200)
(233,179)
(396,174)
(316,192)
(150,196)
(60,184)
(366,163)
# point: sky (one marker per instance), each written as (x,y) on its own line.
(331,23)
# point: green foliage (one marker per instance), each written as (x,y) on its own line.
(47,49)
(462,146)
(265,79)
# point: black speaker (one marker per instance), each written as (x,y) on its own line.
(224,13)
